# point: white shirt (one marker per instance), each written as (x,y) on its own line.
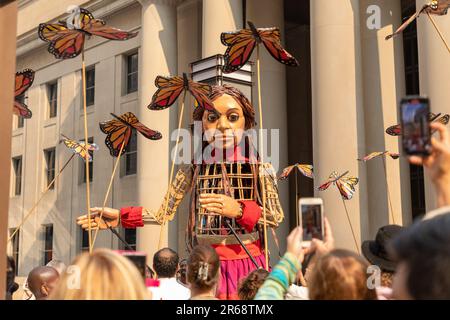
(170,289)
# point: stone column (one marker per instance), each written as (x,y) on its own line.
(158,56)
(337,110)
(434,70)
(219,16)
(8,25)
(269,13)
(384,86)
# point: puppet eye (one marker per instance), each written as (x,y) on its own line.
(233,117)
(212,117)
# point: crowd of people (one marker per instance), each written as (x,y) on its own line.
(400,263)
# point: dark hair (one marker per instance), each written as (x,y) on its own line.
(247,107)
(340,275)
(203,267)
(249,286)
(425,248)
(165,263)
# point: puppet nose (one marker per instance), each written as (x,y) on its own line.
(223,124)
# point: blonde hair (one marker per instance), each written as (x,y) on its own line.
(104,275)
(340,275)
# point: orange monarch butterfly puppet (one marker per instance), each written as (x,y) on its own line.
(66,38)
(374,155)
(436,7)
(305,169)
(24,80)
(345,185)
(119,132)
(397,129)
(80,148)
(242,43)
(169,89)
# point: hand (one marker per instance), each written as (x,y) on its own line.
(110,218)
(220,204)
(438,163)
(294,243)
(320,248)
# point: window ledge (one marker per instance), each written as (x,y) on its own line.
(50,122)
(128,97)
(17,132)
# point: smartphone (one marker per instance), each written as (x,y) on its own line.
(139,259)
(311,219)
(415,122)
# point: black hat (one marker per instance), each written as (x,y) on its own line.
(376,251)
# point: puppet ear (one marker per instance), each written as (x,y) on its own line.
(44,290)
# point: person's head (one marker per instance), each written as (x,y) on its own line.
(165,263)
(233,114)
(249,286)
(203,269)
(57,265)
(340,275)
(42,281)
(181,274)
(102,275)
(423,255)
(376,251)
(11,285)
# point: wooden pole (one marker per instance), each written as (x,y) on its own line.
(86,138)
(261,148)
(108,191)
(172,169)
(439,32)
(40,198)
(8,32)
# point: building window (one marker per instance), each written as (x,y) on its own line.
(50,160)
(52,96)
(47,231)
(130,238)
(84,241)
(15,247)
(20,120)
(90,86)
(17,166)
(132,72)
(411,57)
(130,157)
(83,178)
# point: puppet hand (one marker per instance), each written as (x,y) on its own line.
(110,218)
(221,204)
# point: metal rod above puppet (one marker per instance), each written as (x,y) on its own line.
(66,41)
(240,48)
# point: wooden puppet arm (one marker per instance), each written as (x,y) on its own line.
(268,183)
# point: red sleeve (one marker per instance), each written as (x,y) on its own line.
(131,217)
(251,212)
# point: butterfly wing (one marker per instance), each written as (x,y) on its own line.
(306,170)
(21,110)
(405,25)
(133,121)
(117,133)
(240,47)
(394,130)
(65,43)
(24,80)
(371,156)
(271,40)
(286,172)
(346,187)
(99,28)
(169,89)
(78,148)
(201,92)
(444,119)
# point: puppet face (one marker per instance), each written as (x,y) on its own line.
(224,128)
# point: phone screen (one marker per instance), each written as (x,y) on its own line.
(312,221)
(415,126)
(138,259)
